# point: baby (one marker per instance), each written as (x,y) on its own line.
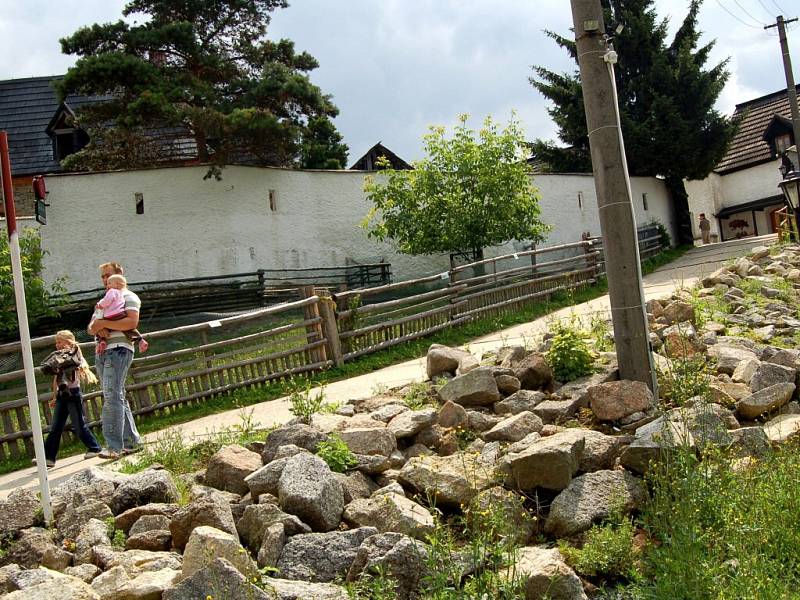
(112,308)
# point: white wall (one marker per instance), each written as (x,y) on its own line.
(194,227)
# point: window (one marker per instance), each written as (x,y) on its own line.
(580,200)
(644,201)
(68,141)
(273,201)
(782,142)
(139,197)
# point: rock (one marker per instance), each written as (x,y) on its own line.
(85,573)
(86,480)
(650,444)
(321,557)
(558,411)
(591,498)
(356,485)
(386,413)
(390,512)
(219,580)
(782,428)
(370,440)
(759,252)
(149,523)
(27,552)
(286,589)
(769,374)
(106,584)
(617,399)
(781,356)
(749,441)
(765,400)
(600,450)
(7,575)
(207,543)
(410,423)
(272,546)
(139,561)
(127,519)
(208,510)
(300,435)
(154,540)
(514,428)
(309,490)
(546,575)
(478,421)
(56,559)
(521,401)
(507,384)
(265,480)
(54,585)
(258,517)
(467,363)
(549,462)
(149,585)
(450,480)
(228,468)
(372,464)
(75,517)
(499,503)
(144,488)
(534,373)
(728,357)
(727,394)
(442,359)
(452,415)
(476,388)
(678,312)
(18,512)
(399,557)
(93,533)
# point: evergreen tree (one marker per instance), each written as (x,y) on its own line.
(322,146)
(666,96)
(200,66)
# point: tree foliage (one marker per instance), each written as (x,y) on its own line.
(200,66)
(469,192)
(38,294)
(666,94)
(322,146)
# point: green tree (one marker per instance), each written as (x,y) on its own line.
(203,67)
(322,146)
(666,96)
(38,295)
(468,193)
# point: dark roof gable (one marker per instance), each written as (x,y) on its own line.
(369,160)
(748,147)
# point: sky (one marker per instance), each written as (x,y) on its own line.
(395,67)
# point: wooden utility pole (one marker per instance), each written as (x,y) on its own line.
(614,198)
(780,23)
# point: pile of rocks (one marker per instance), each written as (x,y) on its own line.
(493,434)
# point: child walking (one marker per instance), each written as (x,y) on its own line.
(68,401)
(112,307)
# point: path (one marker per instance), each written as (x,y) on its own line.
(684,271)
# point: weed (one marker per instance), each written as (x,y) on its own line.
(303,402)
(569,355)
(418,395)
(336,454)
(682,379)
(600,332)
(375,585)
(608,552)
(330,408)
(117,536)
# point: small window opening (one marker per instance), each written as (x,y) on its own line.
(139,197)
(273,201)
(644,201)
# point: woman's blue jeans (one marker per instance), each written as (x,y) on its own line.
(119,428)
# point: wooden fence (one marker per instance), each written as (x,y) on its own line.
(192,363)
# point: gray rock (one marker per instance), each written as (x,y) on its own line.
(272,546)
(18,512)
(558,411)
(228,468)
(396,555)
(781,356)
(7,574)
(442,359)
(546,575)
(93,533)
(304,590)
(451,480)
(300,435)
(410,423)
(650,445)
(28,551)
(745,370)
(514,428)
(154,540)
(149,523)
(321,557)
(388,412)
(452,415)
(498,503)
(220,580)
(617,399)
(534,373)
(600,450)
(769,374)
(549,462)
(521,401)
(356,485)
(126,520)
(476,388)
(210,510)
(265,480)
(782,428)
(144,488)
(749,441)
(258,517)
(370,440)
(53,585)
(309,490)
(765,400)
(729,356)
(138,561)
(390,512)
(479,421)
(591,498)
(678,312)
(207,543)
(85,573)
(507,384)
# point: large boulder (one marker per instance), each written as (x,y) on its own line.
(451,480)
(70,522)
(410,423)
(521,401)
(126,520)
(300,435)
(390,512)
(591,498)
(18,512)
(545,575)
(321,557)
(615,400)
(514,428)
(309,490)
(54,585)
(768,374)
(153,485)
(534,373)
(265,479)
(443,359)
(287,589)
(549,462)
(229,466)
(729,356)
(398,557)
(210,510)
(765,400)
(476,388)
(257,518)
(207,543)
(370,440)
(218,580)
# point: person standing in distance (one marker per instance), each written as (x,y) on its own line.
(705,229)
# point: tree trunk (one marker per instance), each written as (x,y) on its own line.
(680,201)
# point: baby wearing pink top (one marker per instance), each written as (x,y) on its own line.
(112,307)
(112,304)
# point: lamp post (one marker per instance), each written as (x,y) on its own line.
(790,185)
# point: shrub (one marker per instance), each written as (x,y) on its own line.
(569,356)
(607,552)
(685,378)
(303,402)
(418,395)
(336,454)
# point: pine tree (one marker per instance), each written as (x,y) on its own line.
(666,96)
(202,66)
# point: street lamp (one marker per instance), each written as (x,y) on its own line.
(790,185)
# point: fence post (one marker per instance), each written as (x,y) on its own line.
(261,288)
(327,310)
(313,332)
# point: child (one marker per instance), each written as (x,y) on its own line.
(112,307)
(67,400)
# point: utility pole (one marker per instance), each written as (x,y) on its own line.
(791,89)
(614,199)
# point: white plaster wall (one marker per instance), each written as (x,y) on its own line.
(704,197)
(751,184)
(194,227)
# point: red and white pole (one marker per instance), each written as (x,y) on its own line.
(24,332)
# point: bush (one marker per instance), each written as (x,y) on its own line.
(569,356)
(38,296)
(608,552)
(336,454)
(303,402)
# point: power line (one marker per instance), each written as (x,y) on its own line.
(735,16)
(780,10)
(764,6)
(744,10)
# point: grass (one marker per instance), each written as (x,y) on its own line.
(366,364)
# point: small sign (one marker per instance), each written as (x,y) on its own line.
(214,324)
(445,275)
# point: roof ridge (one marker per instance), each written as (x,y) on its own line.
(776,95)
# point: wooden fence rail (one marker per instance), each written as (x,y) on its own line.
(191,363)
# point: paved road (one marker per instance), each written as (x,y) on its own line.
(683,272)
